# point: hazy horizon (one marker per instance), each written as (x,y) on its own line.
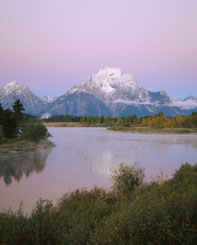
(51,45)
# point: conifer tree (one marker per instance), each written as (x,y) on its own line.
(18,115)
(9,124)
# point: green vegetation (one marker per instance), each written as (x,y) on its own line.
(85,121)
(62,118)
(148,124)
(35,132)
(19,131)
(147,130)
(127,178)
(157,124)
(160,212)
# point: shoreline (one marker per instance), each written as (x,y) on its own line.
(146,130)
(17,146)
(131,129)
(73,124)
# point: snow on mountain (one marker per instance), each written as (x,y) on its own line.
(112,85)
(13,86)
(13,91)
(110,92)
(49,99)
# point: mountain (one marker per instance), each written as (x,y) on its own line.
(49,99)
(191,98)
(111,85)
(81,104)
(118,92)
(110,92)
(13,91)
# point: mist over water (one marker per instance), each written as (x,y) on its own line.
(84,157)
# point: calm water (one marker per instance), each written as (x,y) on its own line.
(84,157)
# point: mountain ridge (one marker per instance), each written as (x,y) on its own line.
(110,92)
(13,91)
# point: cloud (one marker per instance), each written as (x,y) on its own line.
(187,104)
(136,102)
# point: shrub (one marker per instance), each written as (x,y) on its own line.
(14,228)
(35,132)
(81,211)
(46,223)
(161,212)
(126,178)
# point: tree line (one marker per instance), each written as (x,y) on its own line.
(161,121)
(14,124)
(152,121)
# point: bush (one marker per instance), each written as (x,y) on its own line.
(35,132)
(161,212)
(126,178)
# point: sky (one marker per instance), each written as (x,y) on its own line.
(52,45)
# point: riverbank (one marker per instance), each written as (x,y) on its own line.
(72,124)
(15,145)
(131,129)
(146,130)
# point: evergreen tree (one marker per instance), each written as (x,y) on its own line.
(9,124)
(18,115)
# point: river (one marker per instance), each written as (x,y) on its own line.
(84,157)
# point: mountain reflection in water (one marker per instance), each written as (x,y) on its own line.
(17,165)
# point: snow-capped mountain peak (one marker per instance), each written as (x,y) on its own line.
(109,92)
(109,78)
(13,91)
(109,71)
(110,84)
(13,86)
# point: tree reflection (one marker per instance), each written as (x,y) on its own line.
(22,164)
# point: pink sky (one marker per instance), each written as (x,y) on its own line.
(51,45)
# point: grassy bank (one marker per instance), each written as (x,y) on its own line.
(122,128)
(147,130)
(72,124)
(161,212)
(23,145)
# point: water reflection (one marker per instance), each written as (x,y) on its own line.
(102,150)
(84,157)
(15,166)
